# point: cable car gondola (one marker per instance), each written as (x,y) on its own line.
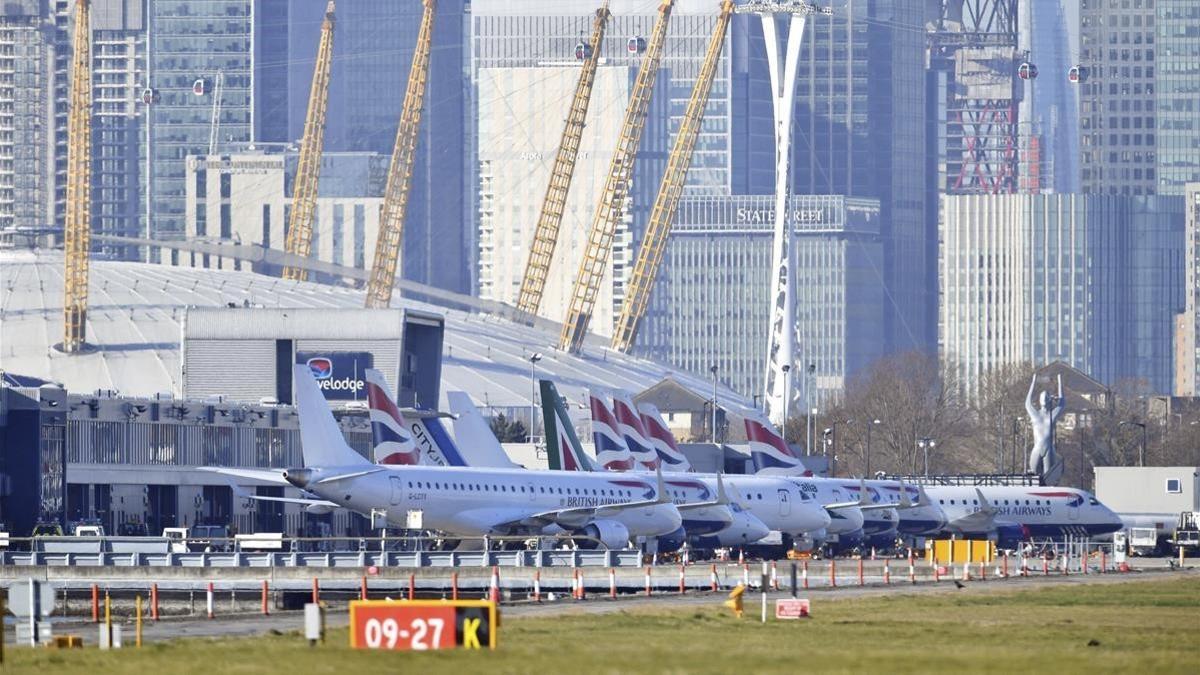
(200,86)
(1027,71)
(1077,74)
(149,96)
(636,44)
(583,51)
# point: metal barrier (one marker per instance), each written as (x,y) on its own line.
(333,552)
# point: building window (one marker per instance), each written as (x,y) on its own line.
(1174,486)
(266,226)
(226,222)
(226,185)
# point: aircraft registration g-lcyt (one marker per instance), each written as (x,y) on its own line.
(1011,514)
(467,501)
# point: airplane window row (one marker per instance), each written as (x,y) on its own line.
(1015,502)
(485,487)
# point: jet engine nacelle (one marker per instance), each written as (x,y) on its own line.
(318,509)
(671,542)
(1011,536)
(611,533)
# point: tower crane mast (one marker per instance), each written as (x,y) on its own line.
(78,228)
(616,190)
(545,236)
(308,170)
(395,196)
(662,214)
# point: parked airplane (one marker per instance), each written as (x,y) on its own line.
(778,504)
(1011,514)
(662,439)
(469,501)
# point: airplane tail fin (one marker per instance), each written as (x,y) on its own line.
(662,438)
(321,442)
(393,444)
(629,424)
(769,452)
(477,445)
(562,444)
(611,451)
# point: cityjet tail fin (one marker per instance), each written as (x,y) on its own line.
(321,442)
(564,451)
(393,444)
(477,445)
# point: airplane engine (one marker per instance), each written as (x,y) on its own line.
(612,534)
(669,543)
(318,509)
(1011,536)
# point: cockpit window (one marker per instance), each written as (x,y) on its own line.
(1094,502)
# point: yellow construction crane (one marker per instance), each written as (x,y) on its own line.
(308,170)
(545,236)
(616,189)
(658,228)
(78,228)
(395,196)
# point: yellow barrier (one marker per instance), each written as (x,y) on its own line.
(960,550)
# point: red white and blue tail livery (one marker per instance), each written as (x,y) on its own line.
(769,452)
(629,423)
(662,439)
(611,451)
(393,444)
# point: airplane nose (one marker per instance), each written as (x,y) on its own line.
(298,477)
(819,518)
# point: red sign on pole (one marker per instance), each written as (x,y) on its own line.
(422,625)
(791,609)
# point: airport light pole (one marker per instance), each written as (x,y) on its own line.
(533,359)
(713,370)
(1142,450)
(925,444)
(810,432)
(870,423)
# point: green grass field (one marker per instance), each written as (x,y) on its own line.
(1139,627)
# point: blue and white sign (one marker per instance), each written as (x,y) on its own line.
(340,375)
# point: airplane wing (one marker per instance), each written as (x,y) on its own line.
(579,516)
(721,500)
(272,476)
(294,500)
(983,520)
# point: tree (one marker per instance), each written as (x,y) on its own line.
(509,431)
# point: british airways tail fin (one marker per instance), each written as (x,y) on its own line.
(321,442)
(769,452)
(662,439)
(629,423)
(611,451)
(393,442)
(562,445)
(477,445)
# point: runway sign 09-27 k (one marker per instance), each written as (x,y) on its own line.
(421,625)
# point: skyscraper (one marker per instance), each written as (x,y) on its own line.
(1177,94)
(1117,102)
(200,66)
(1091,280)
(372,55)
(120,105)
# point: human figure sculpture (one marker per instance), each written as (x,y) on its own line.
(1043,415)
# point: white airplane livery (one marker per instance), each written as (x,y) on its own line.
(467,501)
(1017,513)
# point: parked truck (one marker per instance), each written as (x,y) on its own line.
(1187,533)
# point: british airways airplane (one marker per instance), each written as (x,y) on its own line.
(1011,514)
(779,505)
(467,501)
